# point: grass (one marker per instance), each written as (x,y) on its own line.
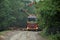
(54,37)
(50,37)
(3,32)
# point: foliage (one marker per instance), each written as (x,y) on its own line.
(48,15)
(54,37)
(11,14)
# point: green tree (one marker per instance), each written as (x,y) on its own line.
(48,11)
(11,13)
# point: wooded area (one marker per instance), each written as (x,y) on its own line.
(49,17)
(49,14)
(47,11)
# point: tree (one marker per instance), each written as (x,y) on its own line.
(48,11)
(11,14)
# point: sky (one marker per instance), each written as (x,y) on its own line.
(33,0)
(36,0)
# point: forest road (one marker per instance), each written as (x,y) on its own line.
(26,35)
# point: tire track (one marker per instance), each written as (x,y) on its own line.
(26,35)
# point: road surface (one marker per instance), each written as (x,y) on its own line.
(25,35)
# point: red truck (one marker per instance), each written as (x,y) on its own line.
(32,22)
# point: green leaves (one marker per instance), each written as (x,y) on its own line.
(10,12)
(48,14)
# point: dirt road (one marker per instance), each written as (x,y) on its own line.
(25,35)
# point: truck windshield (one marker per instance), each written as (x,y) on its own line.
(31,19)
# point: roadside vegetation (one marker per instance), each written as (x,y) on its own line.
(49,18)
(4,32)
(1,33)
